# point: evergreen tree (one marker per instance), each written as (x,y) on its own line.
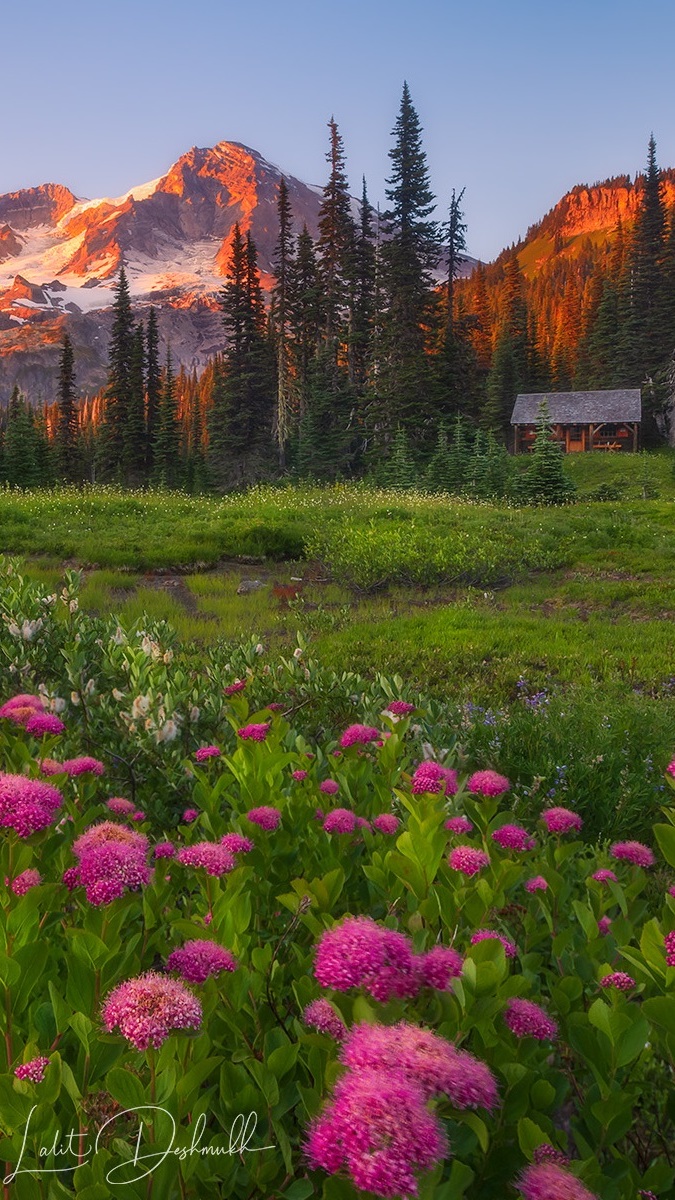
(22,455)
(153,384)
(363,307)
(455,231)
(135,446)
(646,348)
(335,246)
(305,312)
(66,434)
(324,436)
(112,449)
(439,475)
(399,470)
(545,481)
(460,456)
(281,321)
(166,449)
(502,387)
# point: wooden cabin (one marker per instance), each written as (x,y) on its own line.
(607,420)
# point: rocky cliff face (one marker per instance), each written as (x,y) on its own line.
(587,210)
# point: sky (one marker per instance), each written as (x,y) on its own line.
(518,101)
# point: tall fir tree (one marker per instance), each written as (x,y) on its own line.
(280,317)
(335,246)
(112,463)
(166,449)
(66,440)
(153,384)
(363,305)
(305,313)
(21,450)
(135,447)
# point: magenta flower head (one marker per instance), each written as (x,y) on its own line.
(33,1070)
(538,884)
(120,807)
(670,769)
(526,1019)
(386,823)
(25,881)
(321,1015)
(359,735)
(340,820)
(298,776)
(99,835)
(399,708)
(633,852)
(548,1181)
(468,860)
(110,869)
(329,787)
(43,722)
(254,733)
(513,837)
(49,766)
(549,1153)
(198,959)
(84,765)
(432,777)
(27,805)
(190,815)
(618,979)
(237,686)
(71,878)
(560,820)
(484,935)
(360,953)
(604,926)
(206,752)
(671,890)
(21,708)
(440,966)
(488,783)
(458,825)
(669,944)
(236,843)
(265,816)
(164,850)
(211,856)
(604,875)
(146,1010)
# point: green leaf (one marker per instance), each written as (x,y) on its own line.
(126,1088)
(530,1135)
(665,836)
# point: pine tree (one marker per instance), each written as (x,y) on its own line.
(324,435)
(21,457)
(439,476)
(460,456)
(304,312)
(112,462)
(153,383)
(399,470)
(545,481)
(280,321)
(66,435)
(166,449)
(135,447)
(335,247)
(363,308)
(455,239)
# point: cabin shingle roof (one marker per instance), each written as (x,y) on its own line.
(580,408)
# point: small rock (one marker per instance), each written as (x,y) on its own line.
(249,585)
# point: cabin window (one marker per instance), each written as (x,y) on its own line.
(576,432)
(608,431)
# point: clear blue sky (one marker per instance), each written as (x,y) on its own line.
(519,99)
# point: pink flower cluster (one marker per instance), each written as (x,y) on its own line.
(237,686)
(340,820)
(236,843)
(618,979)
(206,752)
(164,850)
(359,735)
(439,965)
(432,777)
(211,856)
(254,733)
(484,935)
(670,769)
(111,860)
(33,1070)
(538,884)
(265,816)
(43,722)
(487,783)
(458,825)
(146,1010)
(400,708)
(21,708)
(330,787)
(190,815)
(198,959)
(84,765)
(120,807)
(526,1019)
(548,1181)
(298,776)
(322,1016)
(25,881)
(604,875)
(386,823)
(604,926)
(635,853)
(27,805)
(561,820)
(468,860)
(669,944)
(360,953)
(513,837)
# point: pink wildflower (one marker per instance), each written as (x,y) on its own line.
(670,769)
(458,825)
(360,953)
(560,820)
(468,860)
(25,881)
(548,1153)
(49,766)
(190,815)
(671,890)
(138,815)
(322,1016)
(149,1008)
(359,735)
(237,686)
(265,816)
(198,959)
(213,857)
(513,837)
(538,884)
(340,820)
(399,708)
(120,807)
(488,783)
(439,965)
(604,875)
(110,869)
(97,836)
(27,805)
(206,752)
(432,777)
(386,823)
(483,935)
(236,843)
(164,850)
(633,852)
(254,733)
(298,776)
(33,1070)
(363,823)
(604,926)
(329,787)
(377,1127)
(618,979)
(548,1181)
(669,944)
(21,708)
(526,1019)
(43,722)
(71,878)
(84,765)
